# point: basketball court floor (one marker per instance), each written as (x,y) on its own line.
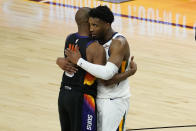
(161,34)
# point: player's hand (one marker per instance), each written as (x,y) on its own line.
(65,65)
(73,56)
(133,66)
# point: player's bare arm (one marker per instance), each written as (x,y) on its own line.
(117,52)
(95,54)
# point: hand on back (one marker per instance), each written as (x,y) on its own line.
(66,65)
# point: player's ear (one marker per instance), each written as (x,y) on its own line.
(107,26)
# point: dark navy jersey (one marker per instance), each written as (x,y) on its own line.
(81,80)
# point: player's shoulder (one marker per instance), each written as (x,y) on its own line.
(119,43)
(95,49)
(119,38)
(70,36)
(95,45)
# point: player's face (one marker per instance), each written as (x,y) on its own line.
(97,28)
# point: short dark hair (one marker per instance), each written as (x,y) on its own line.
(82,15)
(103,13)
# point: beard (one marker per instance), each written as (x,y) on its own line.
(99,38)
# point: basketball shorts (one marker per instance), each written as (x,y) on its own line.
(77,110)
(111,114)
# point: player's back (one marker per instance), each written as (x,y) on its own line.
(81,80)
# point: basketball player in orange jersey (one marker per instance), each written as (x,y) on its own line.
(112,101)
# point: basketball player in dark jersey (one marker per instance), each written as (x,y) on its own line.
(77,105)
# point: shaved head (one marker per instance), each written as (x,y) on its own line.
(82,16)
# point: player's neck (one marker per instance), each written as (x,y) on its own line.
(83,31)
(109,34)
